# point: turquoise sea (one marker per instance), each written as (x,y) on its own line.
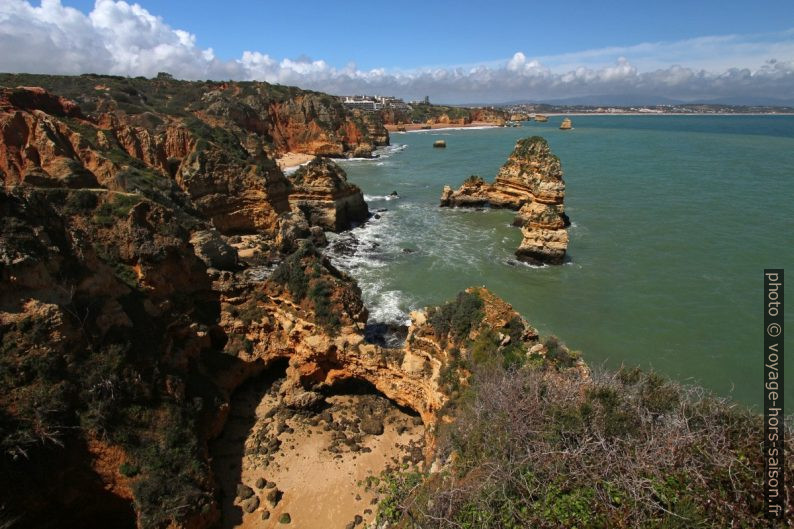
(674,220)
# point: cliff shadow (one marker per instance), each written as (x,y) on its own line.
(228,450)
(57,488)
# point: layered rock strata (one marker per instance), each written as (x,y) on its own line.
(530,182)
(321,191)
(312,314)
(218,160)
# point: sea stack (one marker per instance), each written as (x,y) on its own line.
(541,118)
(530,182)
(566,124)
(440,144)
(321,191)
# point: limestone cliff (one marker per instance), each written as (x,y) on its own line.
(530,182)
(123,338)
(441,114)
(128,312)
(105,312)
(311,314)
(321,191)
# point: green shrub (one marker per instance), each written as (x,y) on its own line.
(291,272)
(129,470)
(117,207)
(456,318)
(320,294)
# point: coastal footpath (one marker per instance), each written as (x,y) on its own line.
(530,182)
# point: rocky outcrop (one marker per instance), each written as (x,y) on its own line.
(443,115)
(104,293)
(488,115)
(312,315)
(566,124)
(530,182)
(129,310)
(321,191)
(218,160)
(540,118)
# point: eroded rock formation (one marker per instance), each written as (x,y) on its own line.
(530,182)
(129,313)
(321,191)
(312,314)
(439,114)
(218,157)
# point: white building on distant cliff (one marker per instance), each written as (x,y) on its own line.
(373,103)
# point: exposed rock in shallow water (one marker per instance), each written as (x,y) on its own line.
(321,191)
(566,124)
(530,182)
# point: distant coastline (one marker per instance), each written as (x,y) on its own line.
(421,127)
(557,114)
(411,127)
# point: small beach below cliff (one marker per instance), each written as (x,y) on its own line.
(319,467)
(292,160)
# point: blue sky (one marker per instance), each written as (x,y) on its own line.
(452,51)
(413,34)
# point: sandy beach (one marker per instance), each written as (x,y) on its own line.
(292,160)
(319,464)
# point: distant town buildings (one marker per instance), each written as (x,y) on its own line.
(373,103)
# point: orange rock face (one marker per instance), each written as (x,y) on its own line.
(219,156)
(321,191)
(530,182)
(323,350)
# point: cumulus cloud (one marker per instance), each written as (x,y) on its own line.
(126,39)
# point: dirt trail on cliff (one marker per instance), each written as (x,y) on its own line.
(319,468)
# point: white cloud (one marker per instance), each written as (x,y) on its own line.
(126,39)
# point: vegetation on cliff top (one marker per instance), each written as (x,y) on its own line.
(135,95)
(307,276)
(624,449)
(246,104)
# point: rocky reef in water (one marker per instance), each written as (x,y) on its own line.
(530,182)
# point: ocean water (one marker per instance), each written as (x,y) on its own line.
(674,220)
